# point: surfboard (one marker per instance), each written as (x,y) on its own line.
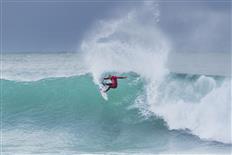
(103,93)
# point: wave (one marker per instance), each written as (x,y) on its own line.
(126,45)
(129,44)
(73,97)
(77,115)
(74,109)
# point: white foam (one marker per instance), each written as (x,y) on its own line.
(210,118)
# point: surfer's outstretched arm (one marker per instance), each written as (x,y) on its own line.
(121,77)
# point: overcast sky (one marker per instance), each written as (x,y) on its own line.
(54,26)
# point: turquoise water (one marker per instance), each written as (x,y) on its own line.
(51,103)
(68,115)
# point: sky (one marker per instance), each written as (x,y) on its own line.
(60,26)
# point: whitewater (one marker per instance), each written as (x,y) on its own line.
(51,102)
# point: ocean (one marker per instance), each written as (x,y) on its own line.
(51,104)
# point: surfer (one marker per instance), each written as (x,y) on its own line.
(113,81)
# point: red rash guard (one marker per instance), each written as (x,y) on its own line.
(114,80)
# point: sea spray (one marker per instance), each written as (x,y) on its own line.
(128,45)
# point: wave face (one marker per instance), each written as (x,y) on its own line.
(69,115)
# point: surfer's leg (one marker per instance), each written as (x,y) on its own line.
(107,89)
(108,84)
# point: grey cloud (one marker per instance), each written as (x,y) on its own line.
(197,27)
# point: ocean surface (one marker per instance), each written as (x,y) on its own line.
(51,103)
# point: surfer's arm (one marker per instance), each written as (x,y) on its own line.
(107,78)
(121,77)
